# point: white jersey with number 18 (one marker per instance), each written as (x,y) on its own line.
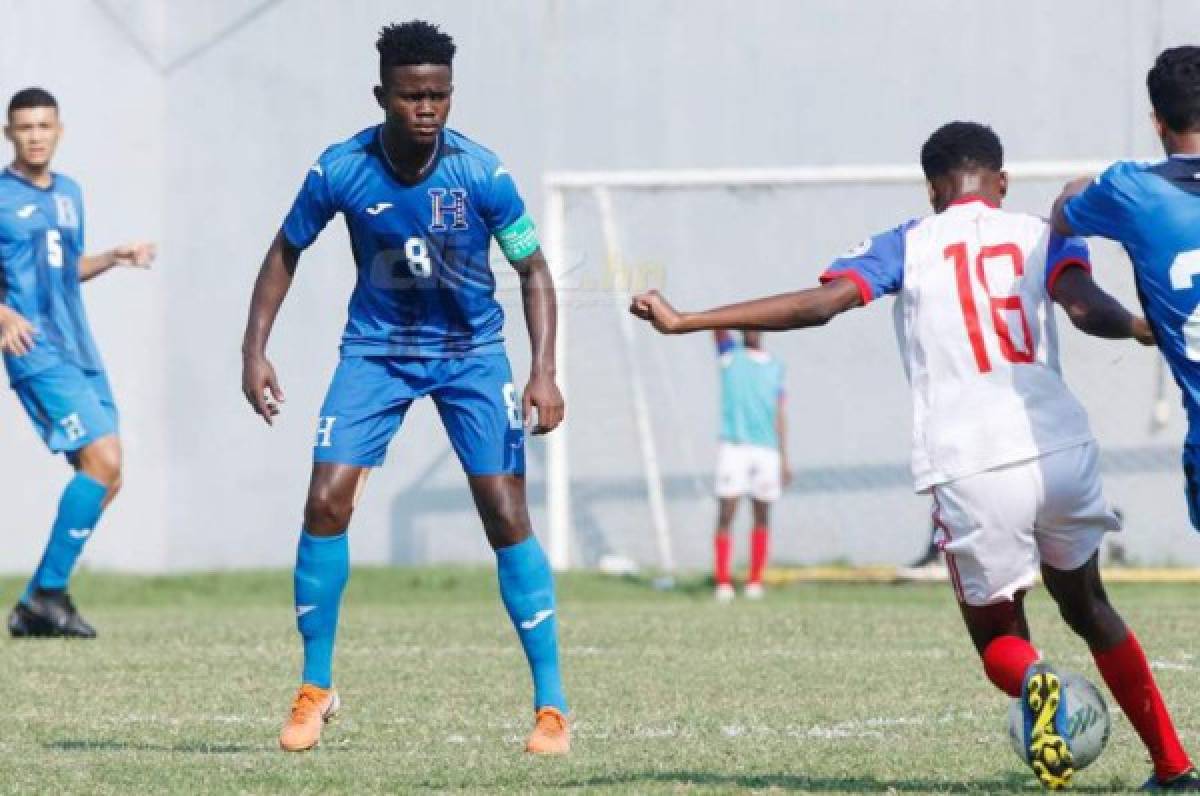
(976,328)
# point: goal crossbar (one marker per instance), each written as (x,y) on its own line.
(865,174)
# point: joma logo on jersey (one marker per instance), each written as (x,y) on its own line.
(452,209)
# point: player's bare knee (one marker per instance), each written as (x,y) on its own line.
(507,535)
(506,524)
(102,461)
(327,513)
(500,501)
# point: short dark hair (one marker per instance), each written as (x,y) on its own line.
(411,43)
(961,146)
(1174,86)
(31,98)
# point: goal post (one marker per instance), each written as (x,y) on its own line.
(600,188)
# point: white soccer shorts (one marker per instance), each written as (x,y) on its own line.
(996,526)
(749,470)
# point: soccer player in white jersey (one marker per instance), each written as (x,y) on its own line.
(752,460)
(998,439)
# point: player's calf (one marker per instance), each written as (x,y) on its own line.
(527,590)
(1122,663)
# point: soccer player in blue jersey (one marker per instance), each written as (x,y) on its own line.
(422,203)
(1153,210)
(53,364)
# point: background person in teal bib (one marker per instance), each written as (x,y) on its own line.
(752,459)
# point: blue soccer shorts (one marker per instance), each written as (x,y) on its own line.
(71,408)
(475,397)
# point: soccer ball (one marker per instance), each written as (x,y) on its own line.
(1088,723)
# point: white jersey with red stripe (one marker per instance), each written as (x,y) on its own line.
(976,328)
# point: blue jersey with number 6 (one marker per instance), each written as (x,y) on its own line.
(1153,210)
(425,286)
(41,241)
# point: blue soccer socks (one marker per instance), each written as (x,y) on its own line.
(79,510)
(527,589)
(322,569)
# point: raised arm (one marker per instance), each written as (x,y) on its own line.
(1095,312)
(541,319)
(259,383)
(799,310)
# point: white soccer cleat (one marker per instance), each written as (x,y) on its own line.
(724,593)
(753,591)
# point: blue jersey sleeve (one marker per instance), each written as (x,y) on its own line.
(502,202)
(1063,253)
(1104,207)
(876,265)
(313,208)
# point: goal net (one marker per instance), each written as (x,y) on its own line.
(629,477)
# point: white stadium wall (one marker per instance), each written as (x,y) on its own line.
(193,124)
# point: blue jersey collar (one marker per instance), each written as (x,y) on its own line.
(387,162)
(16,175)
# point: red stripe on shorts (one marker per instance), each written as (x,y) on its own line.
(951,565)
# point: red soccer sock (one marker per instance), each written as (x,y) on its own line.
(1005,660)
(758,553)
(1125,669)
(724,554)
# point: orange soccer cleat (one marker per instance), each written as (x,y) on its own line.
(551,735)
(312,707)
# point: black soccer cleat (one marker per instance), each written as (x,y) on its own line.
(1188,780)
(48,614)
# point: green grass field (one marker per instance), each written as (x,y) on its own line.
(821,688)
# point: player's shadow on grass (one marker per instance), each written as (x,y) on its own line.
(1010,783)
(183,747)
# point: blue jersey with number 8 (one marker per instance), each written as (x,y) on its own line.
(425,285)
(1153,210)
